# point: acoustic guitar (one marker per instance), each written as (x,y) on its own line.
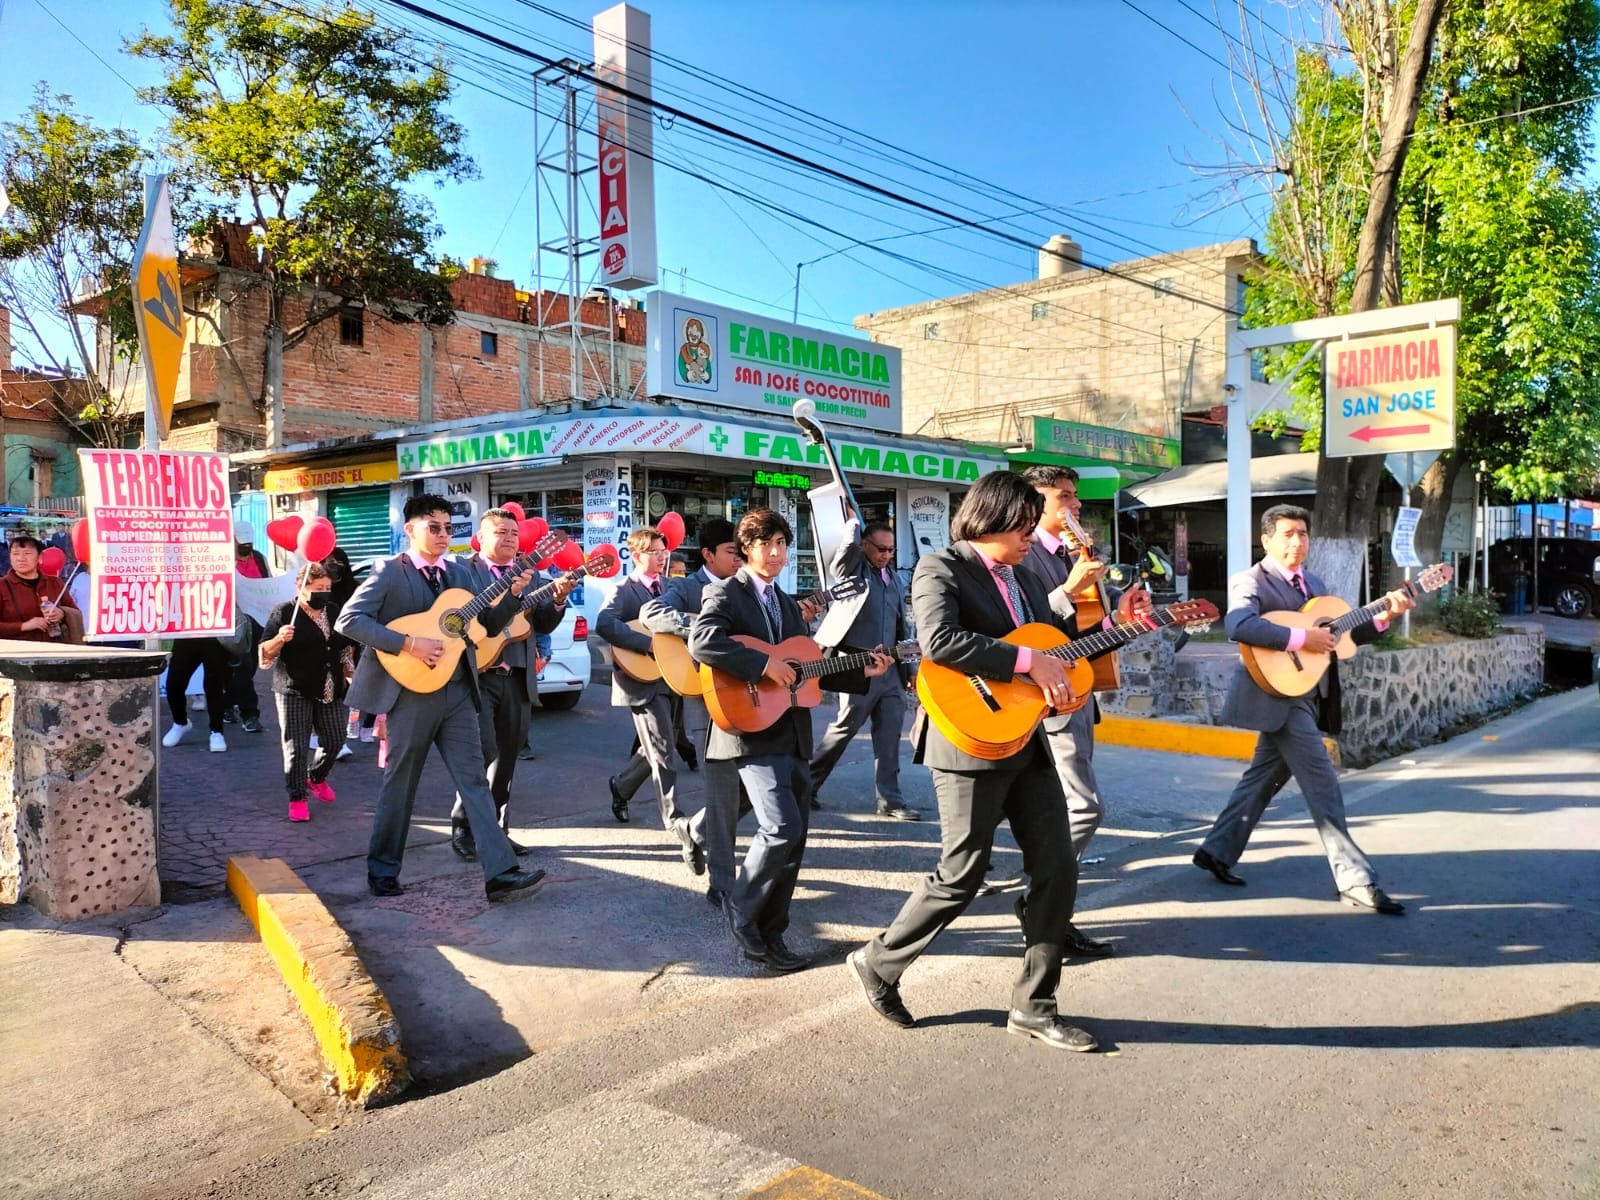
(1288,674)
(994,718)
(599,564)
(1093,604)
(677,666)
(741,707)
(453,618)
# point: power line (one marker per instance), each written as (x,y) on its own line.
(1196,47)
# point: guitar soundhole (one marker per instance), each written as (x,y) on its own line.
(984,694)
(453,624)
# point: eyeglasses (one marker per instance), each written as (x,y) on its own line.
(437,529)
(880,547)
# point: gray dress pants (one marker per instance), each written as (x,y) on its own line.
(1072,747)
(779,787)
(417,723)
(971,806)
(652,723)
(503,728)
(716,825)
(1294,750)
(885,706)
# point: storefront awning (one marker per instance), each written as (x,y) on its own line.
(1203,483)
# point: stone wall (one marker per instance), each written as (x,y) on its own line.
(1394,700)
(77,781)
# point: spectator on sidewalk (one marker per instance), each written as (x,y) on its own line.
(30,603)
(311,666)
(188,656)
(242,702)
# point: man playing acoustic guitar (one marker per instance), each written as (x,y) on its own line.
(1290,742)
(447,718)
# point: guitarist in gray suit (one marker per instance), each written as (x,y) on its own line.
(876,618)
(965,599)
(672,613)
(1071,737)
(448,718)
(650,702)
(774,764)
(1291,740)
(508,687)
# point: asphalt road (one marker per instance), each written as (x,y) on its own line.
(1262,1041)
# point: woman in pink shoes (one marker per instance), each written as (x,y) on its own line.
(311,666)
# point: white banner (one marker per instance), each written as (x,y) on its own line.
(930,520)
(1404,543)
(627,143)
(161,543)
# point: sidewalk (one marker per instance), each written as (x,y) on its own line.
(177,1012)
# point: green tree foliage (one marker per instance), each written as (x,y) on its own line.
(1494,209)
(76,209)
(311,124)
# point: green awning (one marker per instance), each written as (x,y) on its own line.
(1097,479)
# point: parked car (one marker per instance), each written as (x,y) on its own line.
(566,671)
(1569,572)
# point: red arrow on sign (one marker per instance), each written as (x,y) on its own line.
(1366,433)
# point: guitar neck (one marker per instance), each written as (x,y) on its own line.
(844,662)
(1109,639)
(491,594)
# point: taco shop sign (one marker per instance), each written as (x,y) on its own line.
(684,434)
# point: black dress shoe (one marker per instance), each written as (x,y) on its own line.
(384,885)
(749,939)
(461,841)
(518,848)
(715,896)
(509,882)
(1204,860)
(816,805)
(899,812)
(1081,945)
(1372,898)
(884,997)
(686,752)
(1052,1031)
(781,958)
(694,854)
(619,805)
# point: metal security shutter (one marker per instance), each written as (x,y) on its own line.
(361,515)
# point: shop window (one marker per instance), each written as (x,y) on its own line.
(489,343)
(352,329)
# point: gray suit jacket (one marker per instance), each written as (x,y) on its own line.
(397,589)
(682,598)
(1252,592)
(612,624)
(1052,572)
(960,617)
(543,617)
(730,606)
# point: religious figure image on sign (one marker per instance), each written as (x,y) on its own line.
(694,354)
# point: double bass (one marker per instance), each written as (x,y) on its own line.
(833,505)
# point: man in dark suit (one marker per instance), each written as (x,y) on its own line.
(650,702)
(1290,743)
(872,620)
(508,687)
(965,599)
(773,765)
(448,718)
(1071,737)
(673,613)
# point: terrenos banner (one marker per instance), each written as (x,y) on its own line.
(701,351)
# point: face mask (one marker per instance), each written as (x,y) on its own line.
(319,599)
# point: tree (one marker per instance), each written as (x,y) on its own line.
(76,210)
(311,125)
(1487,206)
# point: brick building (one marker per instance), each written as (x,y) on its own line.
(38,445)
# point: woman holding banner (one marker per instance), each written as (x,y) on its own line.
(311,666)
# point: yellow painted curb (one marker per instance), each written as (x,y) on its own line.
(807,1183)
(354,1026)
(1180,737)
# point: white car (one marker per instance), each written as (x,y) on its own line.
(566,671)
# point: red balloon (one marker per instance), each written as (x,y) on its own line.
(474,543)
(317,539)
(612,566)
(670,527)
(80,542)
(527,536)
(569,556)
(285,531)
(540,526)
(515,509)
(52,559)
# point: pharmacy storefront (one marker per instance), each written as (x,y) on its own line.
(599,476)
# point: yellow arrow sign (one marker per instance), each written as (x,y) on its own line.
(158,303)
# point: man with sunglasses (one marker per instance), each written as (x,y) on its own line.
(409,583)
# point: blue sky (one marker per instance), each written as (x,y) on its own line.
(1077,104)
